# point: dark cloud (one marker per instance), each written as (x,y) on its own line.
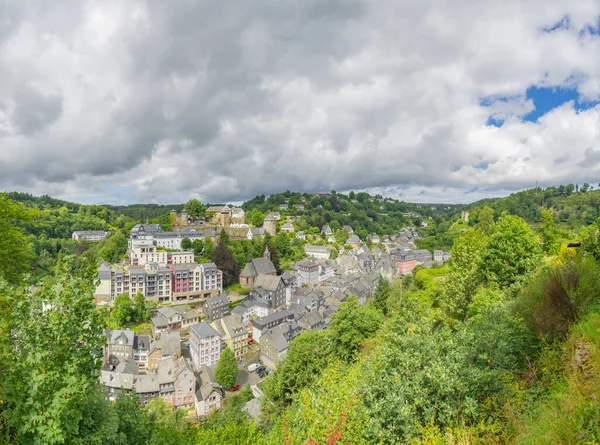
(224,100)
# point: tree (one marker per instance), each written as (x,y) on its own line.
(510,253)
(198,246)
(585,187)
(14,245)
(257,219)
(227,369)
(351,325)
(113,248)
(549,233)
(55,351)
(141,309)
(123,311)
(307,356)
(223,237)
(274,258)
(209,247)
(186,243)
(134,427)
(381,295)
(463,273)
(194,208)
(225,261)
(485,222)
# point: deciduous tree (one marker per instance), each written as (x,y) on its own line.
(227,369)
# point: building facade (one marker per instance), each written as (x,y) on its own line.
(205,345)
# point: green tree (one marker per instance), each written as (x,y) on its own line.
(186,243)
(198,246)
(463,273)
(351,325)
(227,369)
(381,295)
(14,245)
(209,247)
(194,208)
(123,311)
(134,427)
(55,351)
(485,222)
(306,358)
(223,237)
(141,309)
(549,233)
(113,248)
(511,252)
(225,261)
(257,219)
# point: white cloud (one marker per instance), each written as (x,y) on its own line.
(153,101)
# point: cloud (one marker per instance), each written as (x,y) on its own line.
(159,102)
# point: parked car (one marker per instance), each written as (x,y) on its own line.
(260,368)
(250,340)
(253,367)
(261,374)
(234,388)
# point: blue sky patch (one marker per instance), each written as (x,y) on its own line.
(544,99)
(564,23)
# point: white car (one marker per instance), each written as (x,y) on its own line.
(253,367)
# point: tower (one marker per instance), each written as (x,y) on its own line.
(270,225)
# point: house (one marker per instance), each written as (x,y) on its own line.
(283,206)
(423,256)
(209,393)
(374,239)
(275,215)
(326,230)
(216,307)
(311,321)
(172,318)
(89,235)
(440,257)
(353,241)
(255,233)
(272,288)
(299,207)
(274,346)
(287,227)
(205,345)
(167,347)
(348,229)
(173,380)
(301,235)
(120,345)
(275,319)
(233,335)
(256,267)
(405,261)
(317,251)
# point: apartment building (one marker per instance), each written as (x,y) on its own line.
(162,283)
(205,345)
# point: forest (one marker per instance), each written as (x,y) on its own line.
(501,345)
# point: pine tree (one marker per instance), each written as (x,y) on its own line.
(227,369)
(382,293)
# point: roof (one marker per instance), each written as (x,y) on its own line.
(323,249)
(127,334)
(207,383)
(204,330)
(258,266)
(169,343)
(141,342)
(268,282)
(272,317)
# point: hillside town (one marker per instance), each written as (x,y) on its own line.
(194,317)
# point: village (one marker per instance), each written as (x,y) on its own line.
(194,318)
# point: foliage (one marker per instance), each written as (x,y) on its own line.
(227,370)
(351,325)
(510,252)
(54,351)
(186,243)
(14,245)
(223,237)
(485,222)
(223,258)
(381,295)
(194,208)
(113,248)
(549,233)
(123,311)
(463,273)
(306,358)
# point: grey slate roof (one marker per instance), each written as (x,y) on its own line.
(204,330)
(258,266)
(127,334)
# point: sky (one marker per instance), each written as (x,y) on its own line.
(162,101)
